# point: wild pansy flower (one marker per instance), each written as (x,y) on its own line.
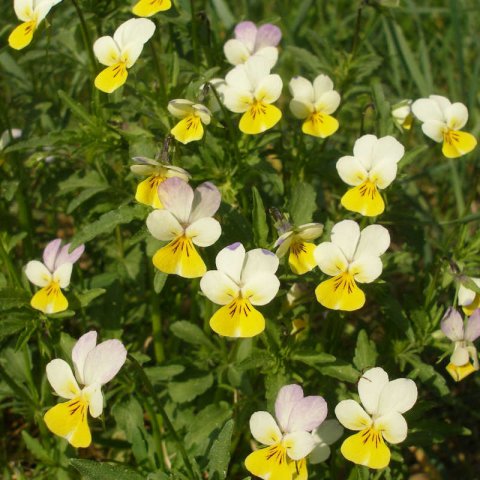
(95,365)
(251,89)
(288,438)
(147,8)
(315,103)
(252,41)
(121,52)
(351,256)
(464,359)
(185,221)
(402,114)
(243,279)
(442,122)
(192,115)
(52,275)
(379,420)
(147,190)
(31,13)
(372,167)
(468,299)
(324,436)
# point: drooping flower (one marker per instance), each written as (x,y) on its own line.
(372,167)
(402,114)
(193,115)
(147,190)
(252,41)
(464,359)
(315,103)
(31,13)
(95,365)
(8,135)
(52,275)
(468,299)
(241,281)
(351,256)
(289,439)
(147,8)
(379,420)
(251,89)
(324,436)
(442,122)
(185,221)
(121,52)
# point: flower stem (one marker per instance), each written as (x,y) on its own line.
(457,189)
(86,36)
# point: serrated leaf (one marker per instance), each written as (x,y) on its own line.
(87,296)
(36,449)
(77,109)
(259,220)
(365,352)
(219,455)
(428,375)
(302,203)
(160,374)
(92,470)
(341,371)
(186,391)
(159,281)
(13,298)
(191,333)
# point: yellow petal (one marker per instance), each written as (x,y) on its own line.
(459,373)
(188,130)
(49,299)
(22,35)
(456,143)
(340,293)
(320,125)
(181,258)
(238,319)
(259,117)
(364,199)
(147,8)
(269,463)
(299,469)
(69,420)
(111,78)
(367,448)
(301,259)
(407,123)
(147,191)
(469,309)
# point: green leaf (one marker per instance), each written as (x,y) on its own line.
(313,359)
(186,391)
(13,323)
(13,298)
(428,375)
(159,281)
(365,352)
(191,333)
(224,13)
(219,455)
(341,371)
(259,220)
(86,297)
(77,109)
(382,108)
(160,374)
(302,203)
(36,449)
(92,470)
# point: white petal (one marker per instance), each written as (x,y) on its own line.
(38,273)
(351,171)
(398,396)
(352,416)
(131,52)
(328,102)
(442,102)
(269,89)
(366,269)
(95,404)
(237,101)
(345,235)
(85,344)
(434,130)
(269,55)
(23,9)
(50,253)
(307,414)
(258,261)
(218,287)
(370,386)
(459,356)
(472,331)
(177,197)
(104,362)
(106,51)
(310,231)
(363,150)
(326,434)
(321,85)
(256,69)
(283,243)
(61,379)
(330,259)
(42,9)
(427,110)
(238,79)
(320,453)
(134,30)
(264,428)
(465,295)
(163,225)
(204,232)
(246,32)
(456,116)
(206,201)
(452,325)
(62,274)
(300,109)
(288,396)
(180,107)
(387,149)
(236,52)
(203,112)
(230,261)
(267,35)
(374,241)
(261,288)
(393,426)
(383,173)
(301,89)
(298,444)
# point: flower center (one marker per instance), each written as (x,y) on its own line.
(257,107)
(450,136)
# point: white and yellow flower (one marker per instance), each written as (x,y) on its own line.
(297,241)
(52,275)
(31,13)
(442,122)
(468,299)
(95,365)
(315,103)
(464,359)
(185,221)
(121,52)
(147,8)
(193,117)
(373,166)
(241,281)
(288,438)
(147,190)
(251,89)
(252,41)
(402,114)
(379,420)
(351,256)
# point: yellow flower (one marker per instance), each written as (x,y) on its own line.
(193,115)
(468,299)
(147,8)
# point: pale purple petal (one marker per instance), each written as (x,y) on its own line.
(206,201)
(268,35)
(472,332)
(85,344)
(176,196)
(65,257)
(307,414)
(288,396)
(104,362)
(50,253)
(452,325)
(246,32)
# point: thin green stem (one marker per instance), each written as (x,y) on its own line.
(157,328)
(457,189)
(14,276)
(196,53)
(86,36)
